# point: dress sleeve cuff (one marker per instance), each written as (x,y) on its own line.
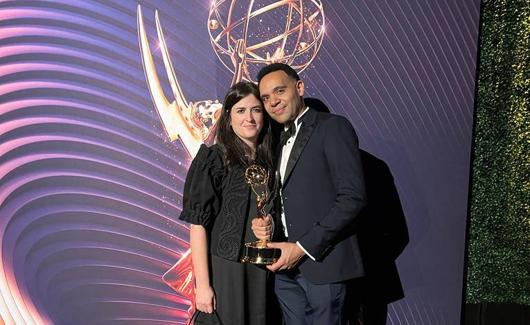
(195,217)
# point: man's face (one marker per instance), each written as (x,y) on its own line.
(282,96)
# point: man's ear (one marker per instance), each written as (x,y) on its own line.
(300,88)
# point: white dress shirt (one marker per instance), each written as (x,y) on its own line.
(286,152)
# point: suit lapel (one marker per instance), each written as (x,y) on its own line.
(306,129)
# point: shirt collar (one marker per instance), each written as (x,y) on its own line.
(298,120)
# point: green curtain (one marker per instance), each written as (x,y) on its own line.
(499,233)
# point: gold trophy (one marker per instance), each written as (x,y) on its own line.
(257,252)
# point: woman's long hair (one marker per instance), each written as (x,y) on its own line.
(238,152)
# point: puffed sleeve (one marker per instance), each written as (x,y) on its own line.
(202,189)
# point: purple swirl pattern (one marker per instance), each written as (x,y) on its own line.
(90,189)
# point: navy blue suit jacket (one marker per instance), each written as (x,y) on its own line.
(323,191)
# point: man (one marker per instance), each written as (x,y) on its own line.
(381,229)
(322,191)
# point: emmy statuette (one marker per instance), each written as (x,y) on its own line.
(257,252)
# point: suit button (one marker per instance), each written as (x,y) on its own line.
(285,198)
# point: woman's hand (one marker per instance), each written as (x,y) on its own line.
(262,227)
(205,299)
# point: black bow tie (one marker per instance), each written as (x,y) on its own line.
(287,134)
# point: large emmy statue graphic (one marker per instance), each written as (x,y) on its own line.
(245,35)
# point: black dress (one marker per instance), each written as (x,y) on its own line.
(242,291)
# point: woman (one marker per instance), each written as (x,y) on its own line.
(220,206)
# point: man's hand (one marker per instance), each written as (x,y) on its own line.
(262,227)
(291,255)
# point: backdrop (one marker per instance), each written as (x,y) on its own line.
(101,112)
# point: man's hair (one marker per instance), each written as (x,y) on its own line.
(277,67)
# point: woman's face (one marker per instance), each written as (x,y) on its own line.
(246,119)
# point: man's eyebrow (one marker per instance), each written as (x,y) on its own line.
(274,89)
